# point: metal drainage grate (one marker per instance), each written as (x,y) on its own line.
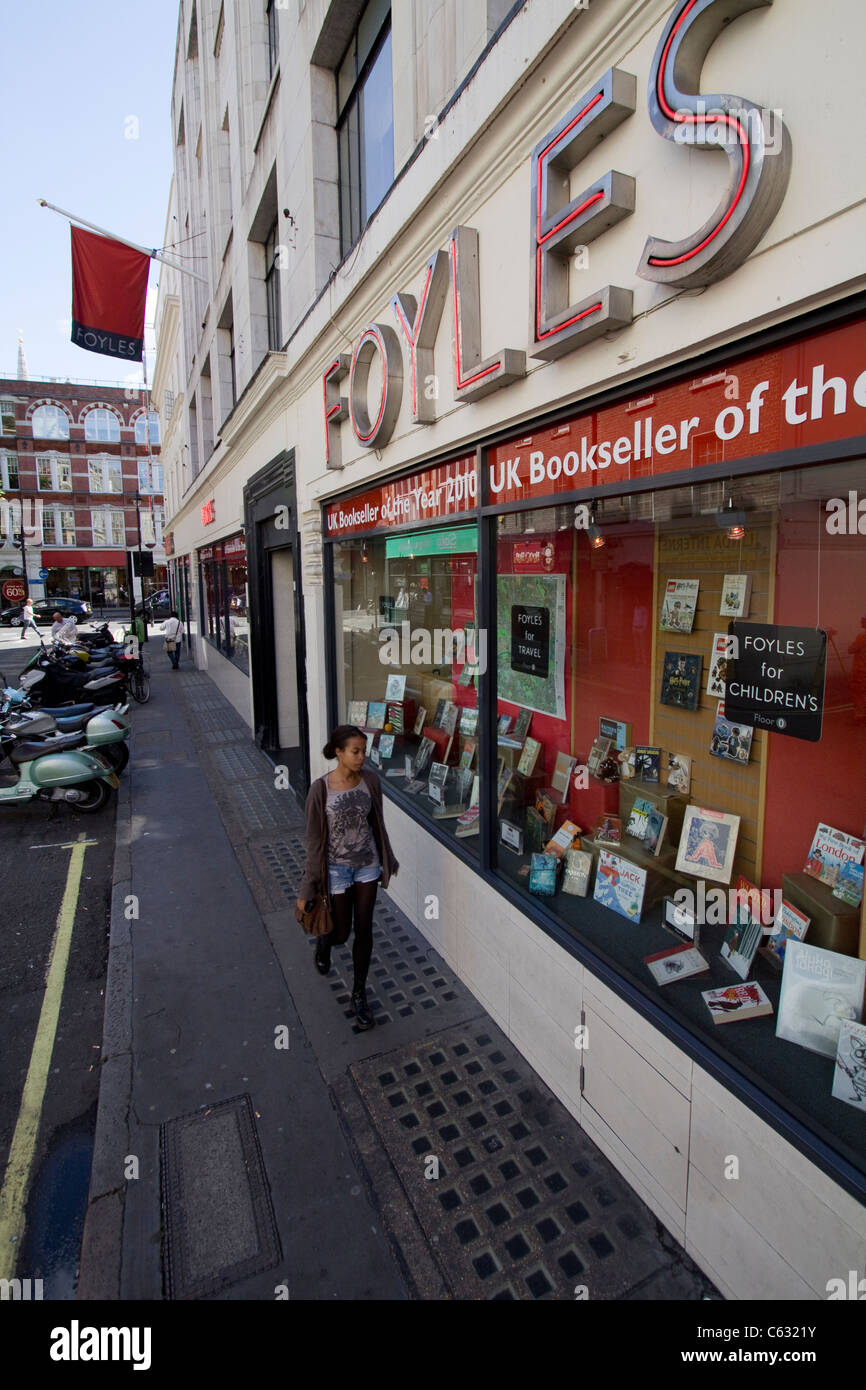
(524,1205)
(219,1221)
(243,763)
(264,808)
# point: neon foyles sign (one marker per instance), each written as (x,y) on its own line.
(757,178)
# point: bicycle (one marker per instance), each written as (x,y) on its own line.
(138,682)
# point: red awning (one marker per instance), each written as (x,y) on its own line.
(70,559)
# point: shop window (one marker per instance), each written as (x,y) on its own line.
(273,36)
(106,475)
(226,609)
(49,422)
(632,774)
(365,121)
(141,427)
(9,472)
(109,528)
(7,415)
(53,474)
(409,659)
(102,425)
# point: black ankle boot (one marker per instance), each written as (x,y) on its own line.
(363,1017)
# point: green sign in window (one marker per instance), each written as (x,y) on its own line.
(458,540)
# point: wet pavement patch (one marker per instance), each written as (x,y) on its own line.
(519,1203)
(218,1218)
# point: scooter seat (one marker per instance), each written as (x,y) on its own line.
(26,752)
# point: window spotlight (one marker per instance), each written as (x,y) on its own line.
(594,531)
(731,520)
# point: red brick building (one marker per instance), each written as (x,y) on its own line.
(76,456)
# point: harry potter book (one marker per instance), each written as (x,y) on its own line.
(730,740)
(681,680)
(679,605)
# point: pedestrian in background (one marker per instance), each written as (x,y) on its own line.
(27,619)
(172,628)
(63,628)
(347,853)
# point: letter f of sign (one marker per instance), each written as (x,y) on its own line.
(758,170)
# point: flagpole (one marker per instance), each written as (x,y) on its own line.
(146,250)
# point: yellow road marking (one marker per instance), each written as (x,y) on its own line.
(16,1182)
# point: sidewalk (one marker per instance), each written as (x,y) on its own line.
(250,1143)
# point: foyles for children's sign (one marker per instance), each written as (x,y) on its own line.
(756,147)
(777,678)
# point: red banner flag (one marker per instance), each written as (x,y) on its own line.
(109,287)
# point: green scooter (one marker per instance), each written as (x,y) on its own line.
(29,773)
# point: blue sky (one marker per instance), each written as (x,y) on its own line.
(72,76)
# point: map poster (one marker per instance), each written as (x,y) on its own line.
(539,595)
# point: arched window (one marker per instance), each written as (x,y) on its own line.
(102,425)
(140,437)
(50,422)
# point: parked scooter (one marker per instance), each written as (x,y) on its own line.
(61,686)
(30,772)
(105,731)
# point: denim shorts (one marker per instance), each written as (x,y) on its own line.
(342,876)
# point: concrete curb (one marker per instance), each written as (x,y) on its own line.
(102,1241)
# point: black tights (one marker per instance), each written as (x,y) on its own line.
(357,902)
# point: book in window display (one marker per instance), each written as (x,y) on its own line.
(529,757)
(423,756)
(849,1077)
(468,823)
(647,761)
(790,923)
(376,754)
(468,750)
(681,680)
(563,840)
(376,714)
(502,783)
(720,663)
(708,843)
(639,818)
(386,746)
(736,1003)
(511,836)
(597,754)
(562,773)
(395,688)
(742,938)
(537,830)
(607,830)
(617,730)
(679,605)
(542,875)
(829,851)
(849,884)
(419,722)
(578,868)
(736,593)
(627,767)
(521,726)
(503,725)
(469,722)
(730,740)
(395,717)
(820,990)
(620,885)
(371,739)
(656,829)
(357,713)
(676,963)
(678,773)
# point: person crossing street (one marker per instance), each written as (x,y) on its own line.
(27,619)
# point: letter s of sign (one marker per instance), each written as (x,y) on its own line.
(758,176)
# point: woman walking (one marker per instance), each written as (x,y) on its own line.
(348,852)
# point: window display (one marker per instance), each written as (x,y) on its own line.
(675,740)
(225,616)
(406,622)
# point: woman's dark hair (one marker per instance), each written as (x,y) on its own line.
(340,737)
(173,614)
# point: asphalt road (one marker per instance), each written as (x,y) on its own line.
(33,872)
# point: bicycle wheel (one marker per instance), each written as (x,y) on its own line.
(139,686)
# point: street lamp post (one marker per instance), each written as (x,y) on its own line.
(140,574)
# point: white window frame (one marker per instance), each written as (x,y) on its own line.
(7,411)
(156,473)
(54,461)
(112,471)
(53,529)
(101,415)
(141,430)
(61,415)
(5,460)
(104,514)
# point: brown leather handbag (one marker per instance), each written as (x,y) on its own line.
(316,922)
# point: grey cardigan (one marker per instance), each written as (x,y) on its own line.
(315,880)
